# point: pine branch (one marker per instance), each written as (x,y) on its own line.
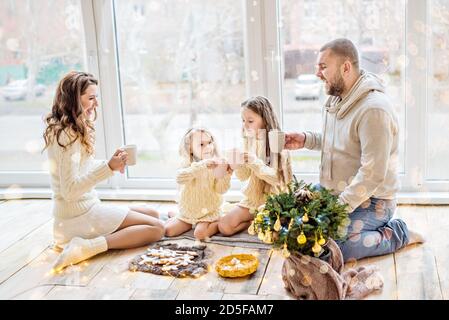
(302,219)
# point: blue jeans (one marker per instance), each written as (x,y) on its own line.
(372,232)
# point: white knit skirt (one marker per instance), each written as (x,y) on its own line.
(100,220)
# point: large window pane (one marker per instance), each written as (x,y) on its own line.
(40,40)
(438,104)
(377,27)
(181,64)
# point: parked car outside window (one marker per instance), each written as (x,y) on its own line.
(18,90)
(308,86)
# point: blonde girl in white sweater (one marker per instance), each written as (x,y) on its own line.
(82,224)
(265,172)
(203,178)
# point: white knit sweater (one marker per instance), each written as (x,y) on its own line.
(74,174)
(262,179)
(201,193)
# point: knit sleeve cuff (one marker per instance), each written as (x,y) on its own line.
(199,165)
(256,164)
(310,140)
(102,172)
(349,208)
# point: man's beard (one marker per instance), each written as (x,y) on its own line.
(336,87)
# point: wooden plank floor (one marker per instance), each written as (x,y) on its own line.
(416,272)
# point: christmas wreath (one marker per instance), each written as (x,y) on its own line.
(301,219)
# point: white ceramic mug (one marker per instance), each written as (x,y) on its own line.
(221,170)
(131,149)
(276,139)
(234,157)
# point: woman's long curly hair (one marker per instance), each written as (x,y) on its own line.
(67,112)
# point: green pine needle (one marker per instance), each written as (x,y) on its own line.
(327,218)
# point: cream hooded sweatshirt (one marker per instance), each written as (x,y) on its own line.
(359,144)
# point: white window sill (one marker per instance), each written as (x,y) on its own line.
(109,194)
(170,195)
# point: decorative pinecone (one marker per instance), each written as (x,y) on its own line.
(303,195)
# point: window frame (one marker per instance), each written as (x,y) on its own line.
(412,179)
(263,52)
(110,82)
(34,178)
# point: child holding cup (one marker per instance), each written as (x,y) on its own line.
(203,178)
(263,164)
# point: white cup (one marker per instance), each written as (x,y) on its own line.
(131,149)
(277,140)
(221,170)
(234,157)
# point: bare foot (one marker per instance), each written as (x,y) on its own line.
(57,248)
(169,220)
(415,237)
(171,214)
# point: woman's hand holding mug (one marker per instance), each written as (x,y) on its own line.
(118,161)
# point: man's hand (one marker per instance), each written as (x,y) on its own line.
(294,141)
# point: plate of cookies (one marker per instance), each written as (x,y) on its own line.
(237,265)
(173,260)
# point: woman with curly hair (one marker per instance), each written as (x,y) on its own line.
(82,224)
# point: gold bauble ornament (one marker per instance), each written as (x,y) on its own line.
(301,238)
(251,229)
(305,218)
(316,248)
(277,225)
(285,251)
(321,241)
(268,238)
